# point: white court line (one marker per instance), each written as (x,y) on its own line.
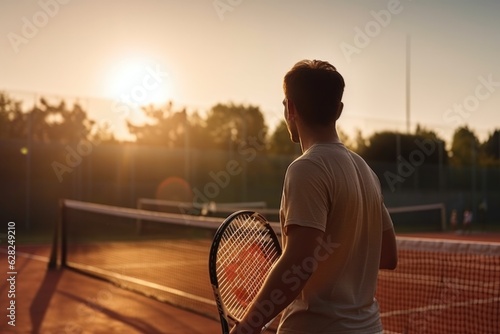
(29,256)
(122,277)
(142,282)
(401,239)
(142,265)
(440,306)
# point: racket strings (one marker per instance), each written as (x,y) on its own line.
(232,242)
(245,257)
(246,254)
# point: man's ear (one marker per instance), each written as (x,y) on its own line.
(292,111)
(339,110)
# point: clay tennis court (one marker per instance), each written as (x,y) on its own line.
(65,301)
(444,283)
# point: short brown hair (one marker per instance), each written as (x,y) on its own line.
(316,89)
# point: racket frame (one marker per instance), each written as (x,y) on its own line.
(224,315)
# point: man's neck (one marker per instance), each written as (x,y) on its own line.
(319,135)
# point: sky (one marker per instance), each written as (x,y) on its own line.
(114,56)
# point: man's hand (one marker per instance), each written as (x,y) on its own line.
(240,328)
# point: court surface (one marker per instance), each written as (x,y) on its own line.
(64,301)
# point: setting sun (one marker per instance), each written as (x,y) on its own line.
(133,83)
(139,82)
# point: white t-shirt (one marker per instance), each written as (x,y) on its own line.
(333,189)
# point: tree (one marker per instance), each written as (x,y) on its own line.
(360,143)
(230,125)
(491,149)
(167,127)
(102,133)
(46,122)
(422,147)
(464,147)
(57,123)
(225,127)
(12,119)
(198,137)
(280,142)
(344,138)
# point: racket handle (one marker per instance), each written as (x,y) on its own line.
(267,325)
(224,325)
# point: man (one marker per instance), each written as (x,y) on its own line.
(336,230)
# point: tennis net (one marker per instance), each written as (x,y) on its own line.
(218,209)
(439,286)
(419,218)
(442,286)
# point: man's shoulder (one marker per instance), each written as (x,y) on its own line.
(357,157)
(303,164)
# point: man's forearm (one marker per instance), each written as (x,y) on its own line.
(281,287)
(305,248)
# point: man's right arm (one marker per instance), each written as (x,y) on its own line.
(389,251)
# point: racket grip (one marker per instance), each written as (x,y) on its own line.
(267,325)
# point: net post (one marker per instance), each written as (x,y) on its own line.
(64,237)
(55,239)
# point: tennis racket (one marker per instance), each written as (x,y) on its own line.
(243,252)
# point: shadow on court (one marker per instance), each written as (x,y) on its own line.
(40,303)
(135,323)
(63,301)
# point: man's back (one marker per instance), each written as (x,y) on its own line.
(336,230)
(334,190)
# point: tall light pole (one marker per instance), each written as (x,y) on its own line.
(408,81)
(29,153)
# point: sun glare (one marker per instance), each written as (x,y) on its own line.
(138,82)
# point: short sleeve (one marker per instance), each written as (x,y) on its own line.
(305,200)
(386,219)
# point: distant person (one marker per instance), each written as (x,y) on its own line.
(336,230)
(467,220)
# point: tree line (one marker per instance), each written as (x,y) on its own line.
(229,126)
